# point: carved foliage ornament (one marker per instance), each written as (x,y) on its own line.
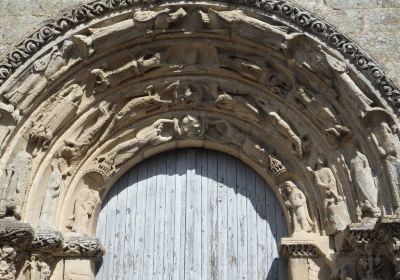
(283,9)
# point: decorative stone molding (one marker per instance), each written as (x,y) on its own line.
(100,89)
(285,10)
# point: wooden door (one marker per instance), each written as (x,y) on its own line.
(191,214)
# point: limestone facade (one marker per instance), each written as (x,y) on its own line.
(111,83)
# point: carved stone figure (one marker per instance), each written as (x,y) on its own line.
(38,270)
(76,148)
(8,258)
(322,113)
(13,185)
(257,71)
(51,196)
(140,20)
(238,104)
(386,140)
(161,131)
(132,69)
(336,214)
(283,128)
(8,118)
(221,131)
(364,183)
(53,118)
(296,202)
(247,26)
(84,206)
(44,70)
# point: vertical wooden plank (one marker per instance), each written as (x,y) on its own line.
(222,218)
(213,215)
(197,217)
(205,233)
(169,216)
(101,231)
(281,232)
(148,272)
(140,221)
(251,225)
(232,256)
(241,206)
(109,243)
(160,216)
(180,203)
(130,224)
(272,253)
(262,230)
(120,227)
(192,240)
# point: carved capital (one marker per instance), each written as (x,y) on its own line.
(13,232)
(47,240)
(82,247)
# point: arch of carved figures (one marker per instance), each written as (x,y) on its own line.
(94,92)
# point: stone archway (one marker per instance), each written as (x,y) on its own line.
(93,93)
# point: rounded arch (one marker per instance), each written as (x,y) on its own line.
(191,213)
(98,90)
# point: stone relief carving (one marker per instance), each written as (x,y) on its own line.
(84,205)
(51,196)
(247,26)
(55,115)
(364,183)
(161,131)
(296,202)
(221,131)
(36,269)
(8,118)
(43,71)
(13,184)
(8,258)
(136,67)
(322,113)
(283,128)
(75,149)
(337,217)
(384,136)
(141,20)
(259,72)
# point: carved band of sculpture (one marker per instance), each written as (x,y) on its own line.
(248,87)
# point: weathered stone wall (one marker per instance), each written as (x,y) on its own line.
(374,24)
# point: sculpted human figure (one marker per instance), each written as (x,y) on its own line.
(8,119)
(364,183)
(49,204)
(386,140)
(322,113)
(221,131)
(13,185)
(75,148)
(336,214)
(44,70)
(53,118)
(141,19)
(283,128)
(240,22)
(161,131)
(37,269)
(238,104)
(132,69)
(84,206)
(296,202)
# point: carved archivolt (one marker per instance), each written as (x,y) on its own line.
(294,101)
